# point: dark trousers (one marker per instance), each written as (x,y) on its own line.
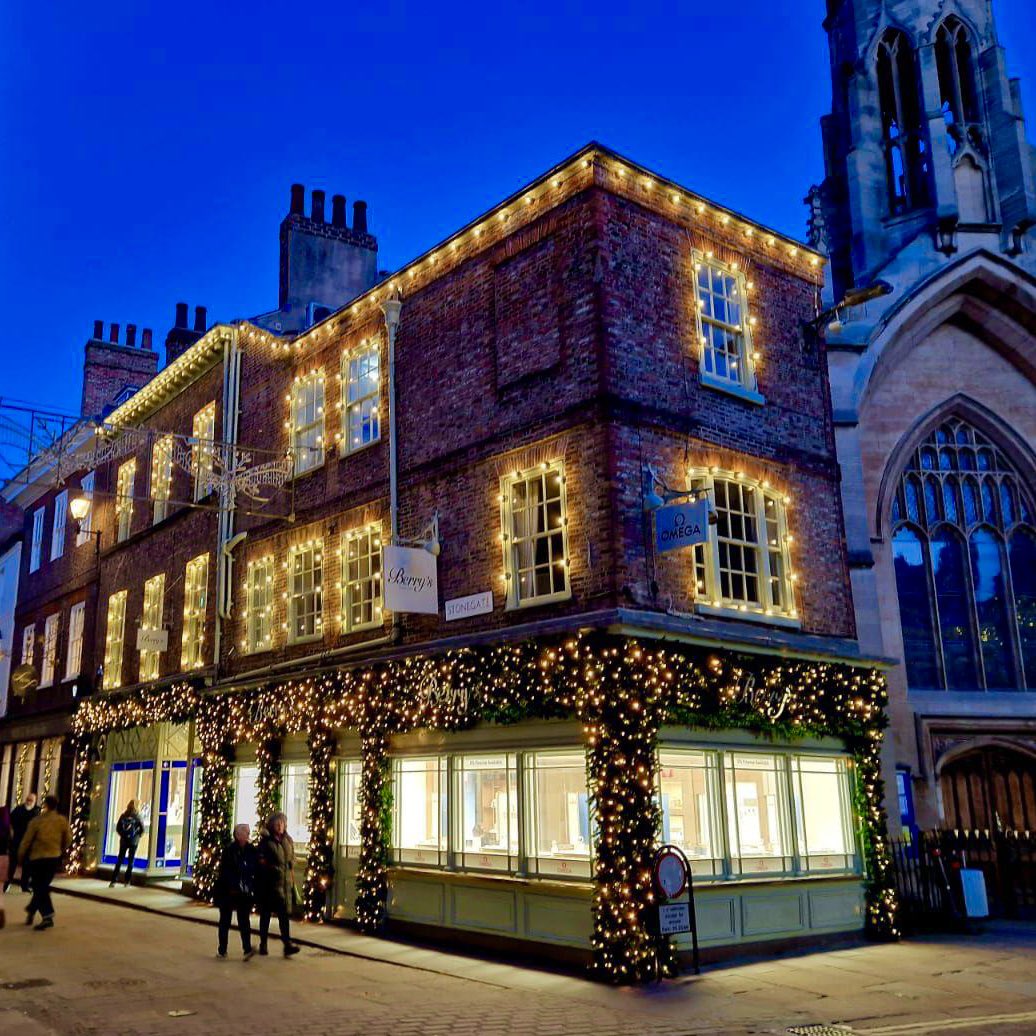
(242,907)
(281,912)
(41,874)
(127,852)
(12,864)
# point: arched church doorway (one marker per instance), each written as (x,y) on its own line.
(991,788)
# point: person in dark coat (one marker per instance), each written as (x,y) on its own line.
(5,848)
(47,839)
(129,828)
(276,881)
(21,817)
(234,891)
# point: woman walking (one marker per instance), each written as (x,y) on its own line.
(276,881)
(235,889)
(129,829)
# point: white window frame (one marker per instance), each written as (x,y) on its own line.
(512,538)
(258,612)
(203,446)
(114,640)
(299,772)
(195,612)
(575,865)
(504,857)
(161,477)
(307,401)
(76,631)
(360,409)
(151,619)
(681,757)
(86,488)
(296,597)
(350,773)
(745,385)
(29,644)
(430,856)
(124,487)
(57,533)
(709,597)
(366,590)
(813,862)
(49,662)
(36,550)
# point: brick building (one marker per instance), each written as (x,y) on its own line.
(930,196)
(418,591)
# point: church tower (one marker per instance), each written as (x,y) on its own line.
(926,140)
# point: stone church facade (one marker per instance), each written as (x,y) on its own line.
(926,212)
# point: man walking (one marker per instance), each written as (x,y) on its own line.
(276,882)
(21,816)
(46,840)
(235,889)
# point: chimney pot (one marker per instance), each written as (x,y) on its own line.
(318,207)
(200,317)
(98,329)
(298,200)
(145,338)
(131,334)
(181,315)
(338,210)
(360,217)
(113,334)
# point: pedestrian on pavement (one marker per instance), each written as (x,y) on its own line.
(21,816)
(5,859)
(234,892)
(129,828)
(46,840)
(276,881)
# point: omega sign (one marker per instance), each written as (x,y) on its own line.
(681,525)
(410,580)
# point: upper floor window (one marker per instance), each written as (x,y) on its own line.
(307,421)
(86,485)
(50,649)
(958,92)
(964,551)
(28,643)
(36,548)
(903,139)
(305,591)
(114,639)
(161,476)
(745,566)
(724,327)
(534,520)
(151,621)
(76,627)
(361,578)
(57,535)
(361,382)
(124,500)
(259,604)
(203,450)
(195,602)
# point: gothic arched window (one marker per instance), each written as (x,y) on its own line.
(903,140)
(964,554)
(958,91)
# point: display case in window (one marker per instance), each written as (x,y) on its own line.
(688,792)
(823,813)
(129,782)
(558,814)
(487,818)
(295,801)
(420,811)
(757,811)
(349,806)
(172,813)
(246,796)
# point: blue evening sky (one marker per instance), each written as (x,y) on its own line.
(148,148)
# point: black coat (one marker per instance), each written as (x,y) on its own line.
(236,877)
(21,817)
(129,828)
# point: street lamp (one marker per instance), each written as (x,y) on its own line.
(80,508)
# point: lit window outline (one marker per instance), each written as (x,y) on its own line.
(258,611)
(127,476)
(203,450)
(308,402)
(114,640)
(297,597)
(369,587)
(363,410)
(151,619)
(195,610)
(161,477)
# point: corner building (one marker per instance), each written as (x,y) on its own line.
(515,404)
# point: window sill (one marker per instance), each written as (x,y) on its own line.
(536,602)
(296,475)
(296,641)
(346,451)
(788,621)
(737,391)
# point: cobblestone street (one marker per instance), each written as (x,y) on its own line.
(109,970)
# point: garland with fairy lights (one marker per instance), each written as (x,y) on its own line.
(621,690)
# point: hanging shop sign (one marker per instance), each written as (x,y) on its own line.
(681,525)
(152,640)
(24,680)
(410,580)
(475,604)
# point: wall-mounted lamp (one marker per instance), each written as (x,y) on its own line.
(657,493)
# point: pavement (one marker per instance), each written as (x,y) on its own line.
(105,970)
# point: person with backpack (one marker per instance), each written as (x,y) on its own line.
(46,840)
(276,882)
(234,891)
(129,828)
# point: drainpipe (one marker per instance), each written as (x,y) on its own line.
(391,308)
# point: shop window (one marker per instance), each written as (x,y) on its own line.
(361,382)
(28,644)
(259,605)
(151,620)
(195,607)
(305,591)
(488,792)
(76,626)
(161,477)
(307,421)
(172,813)
(419,834)
(295,800)
(756,800)
(124,485)
(361,578)
(36,548)
(203,450)
(113,641)
(25,765)
(688,788)
(50,767)
(246,797)
(129,782)
(558,811)
(57,534)
(195,797)
(349,799)
(50,649)
(823,813)
(534,519)
(86,486)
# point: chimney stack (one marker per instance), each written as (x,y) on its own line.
(182,336)
(338,210)
(145,338)
(200,317)
(181,315)
(131,335)
(298,200)
(359,217)
(318,207)
(99,330)
(113,334)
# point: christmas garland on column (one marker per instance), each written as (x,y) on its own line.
(320,865)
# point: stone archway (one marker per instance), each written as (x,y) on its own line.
(985,786)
